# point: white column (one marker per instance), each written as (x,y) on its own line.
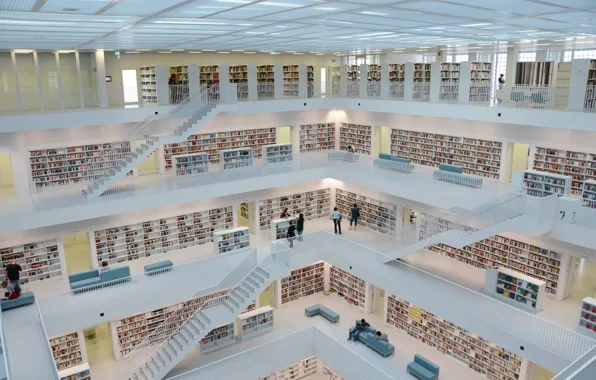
(376,141)
(363,80)
(59,77)
(385,81)
(541,55)
(252,81)
(194,81)
(224,75)
(38,78)
(511,68)
(102,87)
(435,81)
(409,82)
(80,80)
(225,90)
(464,82)
(473,57)
(302,81)
(295,133)
(343,81)
(162,74)
(13,57)
(580,69)
(278,76)
(21,171)
(317,81)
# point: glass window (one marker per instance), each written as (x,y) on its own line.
(583,54)
(323,80)
(527,56)
(460,58)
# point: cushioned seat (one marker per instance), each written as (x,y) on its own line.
(85,283)
(423,368)
(343,156)
(26,298)
(322,310)
(83,279)
(394,165)
(380,346)
(458,179)
(115,274)
(159,266)
(393,157)
(451,168)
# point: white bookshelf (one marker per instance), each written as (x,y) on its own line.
(231,240)
(480,75)
(181,73)
(515,288)
(357,136)
(351,288)
(499,251)
(213,143)
(374,77)
(237,158)
(266,81)
(239,75)
(191,164)
(209,75)
(244,210)
(328,373)
(291,80)
(589,194)
(587,317)
(278,153)
(130,332)
(135,241)
(476,156)
(279,227)
(69,350)
(66,165)
(39,261)
(304,369)
(254,323)
(317,137)
(422,72)
(581,166)
(148,84)
(312,204)
(218,338)
(449,81)
(374,214)
(353,80)
(397,72)
(301,282)
(479,354)
(80,372)
(542,184)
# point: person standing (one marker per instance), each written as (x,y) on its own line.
(300,226)
(12,272)
(355,216)
(291,234)
(336,216)
(284,213)
(172,82)
(500,93)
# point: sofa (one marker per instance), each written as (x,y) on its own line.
(395,165)
(159,267)
(453,174)
(368,338)
(324,311)
(423,368)
(26,298)
(344,156)
(79,281)
(393,157)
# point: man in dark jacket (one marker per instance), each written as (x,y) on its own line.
(12,272)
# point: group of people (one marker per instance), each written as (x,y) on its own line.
(336,217)
(12,282)
(293,229)
(360,325)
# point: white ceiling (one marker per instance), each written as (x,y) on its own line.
(286,25)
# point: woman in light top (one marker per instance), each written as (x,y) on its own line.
(336,216)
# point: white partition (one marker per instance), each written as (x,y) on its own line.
(515,288)
(231,240)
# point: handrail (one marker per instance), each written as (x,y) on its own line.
(586,359)
(4,351)
(55,374)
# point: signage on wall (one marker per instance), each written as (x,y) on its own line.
(108,78)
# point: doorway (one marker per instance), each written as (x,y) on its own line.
(520,157)
(77,252)
(384,140)
(285,135)
(266,298)
(98,342)
(409,216)
(378,300)
(6,178)
(150,165)
(130,86)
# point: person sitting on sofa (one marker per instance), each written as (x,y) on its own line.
(11,293)
(382,336)
(359,328)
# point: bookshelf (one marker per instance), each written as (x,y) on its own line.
(148,84)
(191,164)
(209,75)
(480,89)
(449,81)
(239,75)
(499,251)
(80,372)
(581,166)
(310,78)
(266,81)
(587,317)
(590,97)
(128,333)
(301,282)
(231,240)
(254,323)
(303,369)
(63,166)
(353,81)
(213,143)
(358,136)
(218,338)
(39,261)
(317,137)
(534,73)
(479,354)
(374,76)
(351,288)
(589,194)
(237,158)
(291,80)
(374,214)
(542,184)
(328,373)
(244,210)
(478,157)
(135,241)
(279,227)
(397,72)
(69,350)
(181,74)
(312,204)
(278,153)
(515,288)
(422,72)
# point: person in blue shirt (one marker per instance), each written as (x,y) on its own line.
(336,216)
(355,216)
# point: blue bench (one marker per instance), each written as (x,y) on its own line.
(423,368)
(344,156)
(26,298)
(393,157)
(394,165)
(453,174)
(368,337)
(84,279)
(324,311)
(451,168)
(159,267)
(93,278)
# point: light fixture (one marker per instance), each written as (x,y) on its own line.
(373,13)
(176,49)
(250,52)
(234,1)
(132,52)
(298,53)
(223,52)
(255,32)
(325,9)
(341,22)
(320,54)
(473,25)
(164,52)
(290,51)
(195,52)
(207,50)
(238,50)
(277,4)
(280,26)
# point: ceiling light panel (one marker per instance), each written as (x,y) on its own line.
(533,23)
(140,7)
(81,6)
(316,10)
(18,5)
(571,16)
(447,9)
(520,7)
(374,20)
(418,17)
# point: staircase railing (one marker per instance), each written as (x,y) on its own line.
(247,265)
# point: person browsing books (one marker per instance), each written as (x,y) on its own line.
(291,234)
(12,272)
(300,226)
(284,213)
(355,216)
(336,217)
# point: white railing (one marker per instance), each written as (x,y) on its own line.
(291,90)
(421,92)
(353,88)
(265,90)
(449,91)
(535,97)
(53,375)
(179,93)
(373,89)
(242,91)
(396,91)
(480,93)
(6,373)
(335,88)
(584,368)
(590,99)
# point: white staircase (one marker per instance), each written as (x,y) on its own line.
(157,131)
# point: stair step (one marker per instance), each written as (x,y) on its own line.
(236,296)
(244,285)
(257,277)
(166,352)
(171,347)
(203,317)
(187,331)
(143,373)
(262,272)
(242,291)
(252,282)
(148,368)
(227,305)
(175,339)
(232,301)
(160,358)
(153,363)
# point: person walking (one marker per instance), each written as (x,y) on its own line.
(172,82)
(12,272)
(300,226)
(291,235)
(355,216)
(500,94)
(336,216)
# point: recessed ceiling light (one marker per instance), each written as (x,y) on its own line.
(237,50)
(187,22)
(473,25)
(164,52)
(341,22)
(280,26)
(588,26)
(223,52)
(320,54)
(420,50)
(143,49)
(176,49)
(298,53)
(195,52)
(132,52)
(250,52)
(210,7)
(255,32)
(325,9)
(208,50)
(373,13)
(234,1)
(585,19)
(290,51)
(277,4)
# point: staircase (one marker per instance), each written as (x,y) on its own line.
(157,131)
(207,317)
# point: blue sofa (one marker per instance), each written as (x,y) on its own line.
(159,267)
(345,156)
(453,174)
(368,337)
(451,168)
(78,281)
(393,157)
(26,298)
(324,311)
(394,165)
(423,368)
